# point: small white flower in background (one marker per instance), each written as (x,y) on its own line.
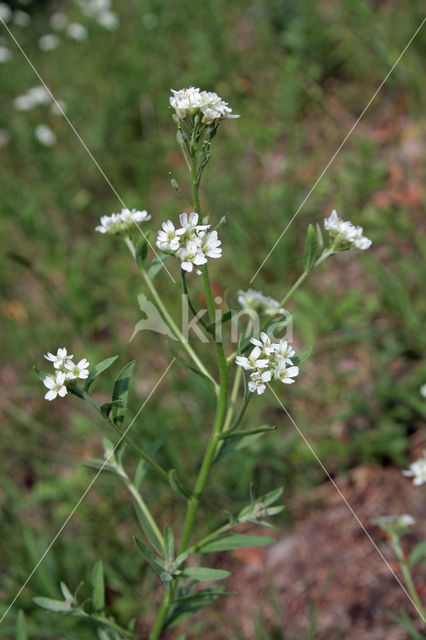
(6,12)
(4,137)
(188,102)
(108,20)
(77,31)
(35,97)
(58,21)
(395,526)
(56,386)
(423,390)
(79,370)
(257,381)
(345,233)
(45,135)
(60,358)
(255,300)
(21,18)
(5,54)
(417,470)
(273,358)
(48,42)
(191,243)
(58,107)
(119,222)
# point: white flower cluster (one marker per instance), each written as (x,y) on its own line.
(100,10)
(395,524)
(263,305)
(192,243)
(268,360)
(118,222)
(191,101)
(417,470)
(344,232)
(65,370)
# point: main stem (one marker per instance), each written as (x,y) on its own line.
(408,579)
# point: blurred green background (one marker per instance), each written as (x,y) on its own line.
(299,73)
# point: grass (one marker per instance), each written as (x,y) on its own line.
(299,74)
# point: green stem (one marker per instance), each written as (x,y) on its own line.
(162,614)
(172,325)
(396,545)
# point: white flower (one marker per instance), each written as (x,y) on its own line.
(58,107)
(5,12)
(118,222)
(257,381)
(255,300)
(58,21)
(45,135)
(189,222)
(21,18)
(48,42)
(283,350)
(394,524)
(79,370)
(108,20)
(59,359)
(253,361)
(345,233)
(39,95)
(168,238)
(285,374)
(77,31)
(264,343)
(210,244)
(423,390)
(189,255)
(5,54)
(190,101)
(56,386)
(417,470)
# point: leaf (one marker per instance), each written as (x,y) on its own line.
(42,374)
(203,573)
(177,486)
(157,264)
(211,327)
(21,626)
(143,467)
(245,432)
(106,408)
(418,554)
(66,592)
(311,250)
(121,392)
(97,369)
(147,528)
(155,563)
(239,440)
(235,541)
(190,366)
(320,240)
(296,360)
(169,545)
(142,251)
(184,607)
(98,593)
(59,606)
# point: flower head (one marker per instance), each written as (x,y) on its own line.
(122,222)
(263,305)
(56,386)
(257,381)
(59,359)
(190,254)
(188,102)
(417,470)
(395,526)
(168,237)
(79,370)
(345,234)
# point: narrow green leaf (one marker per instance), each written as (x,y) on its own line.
(245,432)
(21,626)
(155,563)
(236,541)
(296,360)
(177,486)
(190,366)
(271,497)
(418,554)
(142,251)
(143,466)
(66,592)
(310,253)
(320,240)
(98,593)
(106,408)
(239,442)
(97,369)
(169,545)
(59,606)
(147,528)
(224,318)
(203,573)
(182,608)
(157,264)
(41,375)
(121,392)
